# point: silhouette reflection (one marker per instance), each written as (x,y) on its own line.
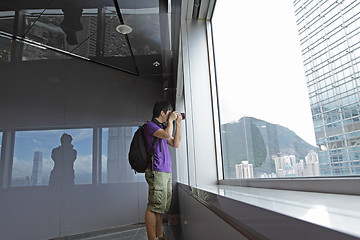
(64,157)
(71,23)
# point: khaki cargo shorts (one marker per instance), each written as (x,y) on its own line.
(160,191)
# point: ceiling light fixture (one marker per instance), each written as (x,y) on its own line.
(124,29)
(53,80)
(156,64)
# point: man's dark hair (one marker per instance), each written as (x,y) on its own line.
(161,106)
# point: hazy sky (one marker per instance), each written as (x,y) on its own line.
(259,64)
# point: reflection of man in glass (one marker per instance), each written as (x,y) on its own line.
(71,23)
(64,157)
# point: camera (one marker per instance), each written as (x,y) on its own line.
(183,115)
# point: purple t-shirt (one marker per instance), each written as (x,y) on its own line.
(162,159)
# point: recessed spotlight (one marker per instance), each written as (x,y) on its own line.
(156,64)
(53,80)
(124,29)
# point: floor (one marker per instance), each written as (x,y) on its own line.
(130,232)
(138,233)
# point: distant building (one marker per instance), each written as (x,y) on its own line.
(329,38)
(301,168)
(244,170)
(285,165)
(37,169)
(312,164)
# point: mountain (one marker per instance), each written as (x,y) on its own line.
(255,140)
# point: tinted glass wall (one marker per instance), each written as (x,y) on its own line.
(265,112)
(65,129)
(265,116)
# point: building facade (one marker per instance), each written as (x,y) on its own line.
(330,42)
(244,170)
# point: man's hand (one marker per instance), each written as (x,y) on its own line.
(175,141)
(178,118)
(172,116)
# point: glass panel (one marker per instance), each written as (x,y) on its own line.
(7,21)
(265,116)
(114,43)
(145,38)
(44,157)
(115,148)
(251,101)
(44,27)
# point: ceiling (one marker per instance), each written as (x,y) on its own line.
(60,29)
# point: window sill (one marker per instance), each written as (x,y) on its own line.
(333,211)
(337,185)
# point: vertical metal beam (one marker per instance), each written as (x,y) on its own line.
(7,154)
(17,46)
(100,32)
(96,160)
(215,103)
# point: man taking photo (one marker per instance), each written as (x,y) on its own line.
(158,173)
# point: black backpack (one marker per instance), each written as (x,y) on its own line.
(139,158)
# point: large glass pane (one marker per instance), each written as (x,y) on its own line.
(265,116)
(264,109)
(54,157)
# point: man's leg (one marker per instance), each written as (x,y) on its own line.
(151,223)
(159,230)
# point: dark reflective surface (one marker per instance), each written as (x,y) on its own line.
(88,29)
(44,94)
(62,76)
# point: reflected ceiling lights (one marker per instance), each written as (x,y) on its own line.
(124,29)
(156,64)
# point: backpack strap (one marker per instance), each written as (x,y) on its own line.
(154,142)
(160,125)
(152,151)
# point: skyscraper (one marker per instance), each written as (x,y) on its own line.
(118,167)
(37,169)
(330,42)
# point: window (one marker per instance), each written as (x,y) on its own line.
(43,156)
(115,148)
(264,108)
(261,103)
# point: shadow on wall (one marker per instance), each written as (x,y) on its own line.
(64,157)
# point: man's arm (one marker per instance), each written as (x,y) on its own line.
(175,141)
(168,131)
